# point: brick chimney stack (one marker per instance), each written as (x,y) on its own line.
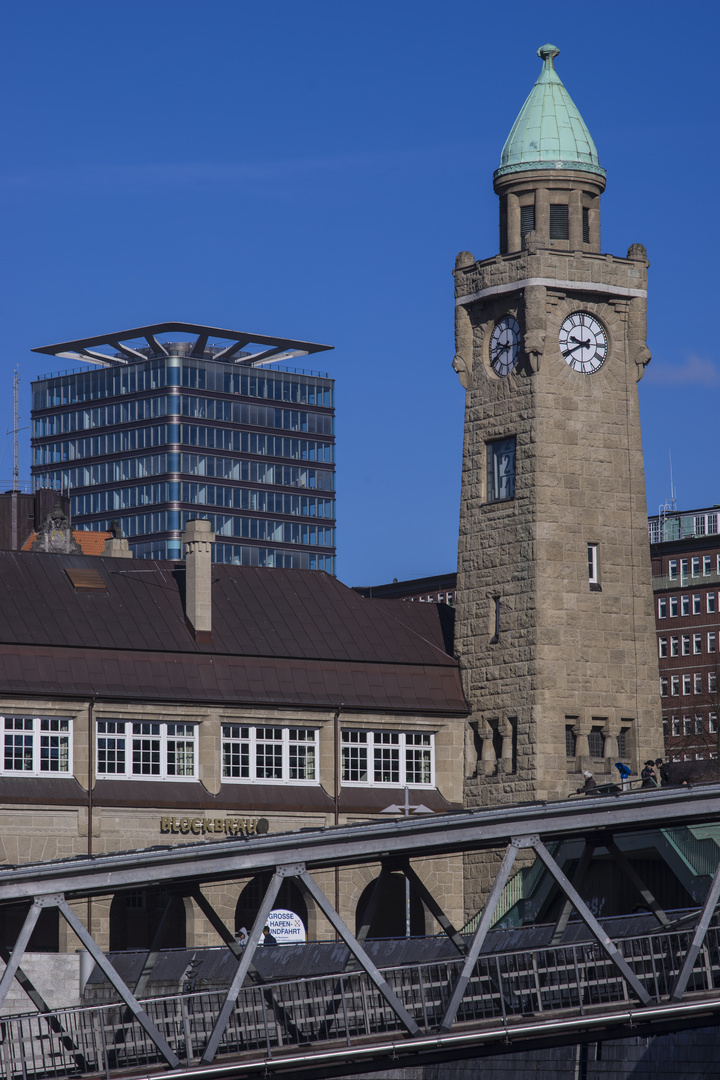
(198,538)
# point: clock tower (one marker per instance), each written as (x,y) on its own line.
(555,620)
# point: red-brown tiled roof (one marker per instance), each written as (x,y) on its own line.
(92,543)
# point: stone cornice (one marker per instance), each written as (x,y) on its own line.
(552,283)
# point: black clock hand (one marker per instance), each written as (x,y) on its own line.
(584,343)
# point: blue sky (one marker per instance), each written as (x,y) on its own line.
(311,170)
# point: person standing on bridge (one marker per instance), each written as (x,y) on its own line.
(649,778)
(625,774)
(590,785)
(268,938)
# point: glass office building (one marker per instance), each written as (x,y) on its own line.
(179,421)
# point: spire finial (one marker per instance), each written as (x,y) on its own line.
(547,54)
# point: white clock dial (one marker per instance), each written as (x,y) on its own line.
(583,342)
(505,345)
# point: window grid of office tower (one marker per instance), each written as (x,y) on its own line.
(250,449)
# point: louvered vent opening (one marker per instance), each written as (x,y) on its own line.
(87,580)
(586,225)
(558,222)
(527,219)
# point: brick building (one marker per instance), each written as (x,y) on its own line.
(685,549)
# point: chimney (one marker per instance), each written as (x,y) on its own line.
(115,546)
(198,538)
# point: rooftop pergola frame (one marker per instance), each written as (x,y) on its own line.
(145,342)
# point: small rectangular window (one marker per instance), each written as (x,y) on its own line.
(674,646)
(36,745)
(284,754)
(592,555)
(686,644)
(672,569)
(596,742)
(674,685)
(696,566)
(712,723)
(662,607)
(559,222)
(684,569)
(662,646)
(676,725)
(697,610)
(698,682)
(711,603)
(711,642)
(685,605)
(686,684)
(586,225)
(698,725)
(145,749)
(500,470)
(663,686)
(712,682)
(673,607)
(388,757)
(622,743)
(687,725)
(707,565)
(570,741)
(697,644)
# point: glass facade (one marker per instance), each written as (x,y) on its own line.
(250,450)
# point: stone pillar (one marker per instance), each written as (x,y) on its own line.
(542,215)
(594,224)
(575,217)
(488,760)
(514,240)
(582,749)
(198,539)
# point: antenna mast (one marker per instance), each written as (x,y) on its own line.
(16,428)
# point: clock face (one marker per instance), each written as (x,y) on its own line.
(583,342)
(504,345)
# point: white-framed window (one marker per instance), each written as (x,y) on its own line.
(718,564)
(662,646)
(685,605)
(698,682)
(687,684)
(592,554)
(676,725)
(673,607)
(711,603)
(663,686)
(672,569)
(697,604)
(146,750)
(698,725)
(684,567)
(712,723)
(674,685)
(712,682)
(687,725)
(269,754)
(37,745)
(696,566)
(697,644)
(662,607)
(686,644)
(674,646)
(707,565)
(711,641)
(395,758)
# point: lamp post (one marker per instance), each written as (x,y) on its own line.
(405,809)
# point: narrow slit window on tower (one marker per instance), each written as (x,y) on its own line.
(496,621)
(593,568)
(527,220)
(586,225)
(558,222)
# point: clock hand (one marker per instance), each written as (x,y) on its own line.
(585,344)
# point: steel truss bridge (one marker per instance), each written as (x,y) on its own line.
(363,1017)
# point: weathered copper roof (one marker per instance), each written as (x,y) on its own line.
(285,637)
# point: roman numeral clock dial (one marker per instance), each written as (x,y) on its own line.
(583,342)
(505,345)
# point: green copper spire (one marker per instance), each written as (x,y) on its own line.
(549,132)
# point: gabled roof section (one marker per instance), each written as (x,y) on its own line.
(91,542)
(549,132)
(211,343)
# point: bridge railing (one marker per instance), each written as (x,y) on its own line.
(346,1007)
